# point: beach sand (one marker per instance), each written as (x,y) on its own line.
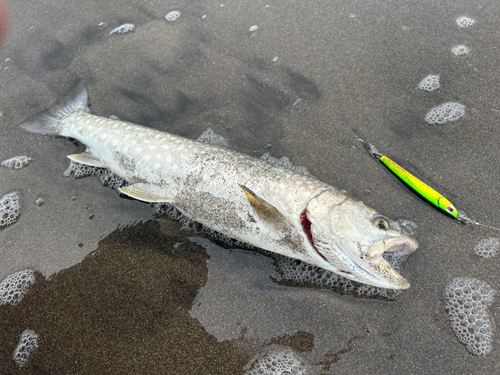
(119,290)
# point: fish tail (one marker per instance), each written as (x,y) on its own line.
(51,121)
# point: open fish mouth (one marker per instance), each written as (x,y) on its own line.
(402,246)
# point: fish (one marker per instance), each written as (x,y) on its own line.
(238,195)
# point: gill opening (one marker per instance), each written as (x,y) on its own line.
(306,226)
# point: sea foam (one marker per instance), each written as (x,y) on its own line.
(467,300)
(9,209)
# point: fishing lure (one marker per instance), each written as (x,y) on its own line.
(422,188)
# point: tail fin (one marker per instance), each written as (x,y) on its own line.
(51,121)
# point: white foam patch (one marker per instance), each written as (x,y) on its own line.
(467,300)
(122,29)
(284,362)
(209,136)
(487,247)
(286,163)
(253,28)
(15,286)
(460,50)
(9,209)
(429,83)
(446,112)
(28,343)
(173,16)
(465,21)
(17,162)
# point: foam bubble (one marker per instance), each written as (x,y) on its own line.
(487,247)
(173,16)
(409,225)
(209,136)
(460,50)
(466,302)
(275,58)
(429,83)
(253,28)
(17,162)
(122,29)
(449,111)
(28,343)
(39,201)
(9,209)
(285,162)
(277,363)
(15,286)
(465,21)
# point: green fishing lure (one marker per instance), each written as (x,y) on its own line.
(422,188)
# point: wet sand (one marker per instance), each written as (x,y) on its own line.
(345,70)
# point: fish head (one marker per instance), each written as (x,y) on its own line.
(351,238)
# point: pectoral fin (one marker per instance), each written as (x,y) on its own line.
(87,158)
(266,212)
(145,192)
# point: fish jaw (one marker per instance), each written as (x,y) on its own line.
(375,264)
(367,269)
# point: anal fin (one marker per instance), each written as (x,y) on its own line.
(145,192)
(87,158)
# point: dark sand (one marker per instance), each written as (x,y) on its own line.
(345,70)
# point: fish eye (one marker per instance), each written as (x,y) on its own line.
(381,222)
